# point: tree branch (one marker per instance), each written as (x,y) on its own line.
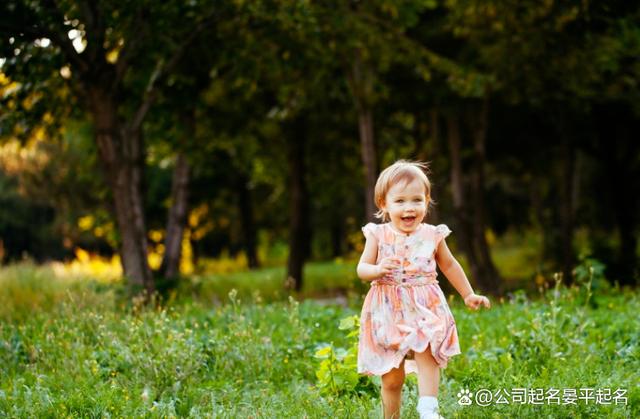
(129,49)
(161,73)
(412,46)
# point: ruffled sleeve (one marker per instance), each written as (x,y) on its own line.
(371,230)
(441,232)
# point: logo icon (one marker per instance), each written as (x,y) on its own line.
(464,397)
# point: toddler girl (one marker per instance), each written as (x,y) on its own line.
(405,314)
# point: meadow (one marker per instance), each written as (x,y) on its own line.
(235,345)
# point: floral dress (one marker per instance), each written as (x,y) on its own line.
(406,311)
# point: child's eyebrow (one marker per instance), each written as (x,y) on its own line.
(404,196)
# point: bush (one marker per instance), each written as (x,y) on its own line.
(337,371)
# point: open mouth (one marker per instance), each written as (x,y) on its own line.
(409,219)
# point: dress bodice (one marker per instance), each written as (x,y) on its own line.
(415,250)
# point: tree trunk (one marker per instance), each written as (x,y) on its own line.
(461,212)
(489,276)
(365,124)
(567,208)
(361,83)
(430,133)
(337,235)
(618,153)
(176,218)
(179,208)
(249,241)
(120,153)
(299,212)
(626,217)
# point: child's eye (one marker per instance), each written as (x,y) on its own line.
(400,200)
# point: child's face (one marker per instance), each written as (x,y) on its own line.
(406,204)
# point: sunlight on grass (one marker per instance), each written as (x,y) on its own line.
(26,289)
(223,264)
(90,265)
(518,255)
(320,279)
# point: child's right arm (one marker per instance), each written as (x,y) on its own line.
(367,269)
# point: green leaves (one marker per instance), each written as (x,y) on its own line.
(337,372)
(349,322)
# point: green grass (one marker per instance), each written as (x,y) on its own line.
(321,279)
(517,257)
(77,348)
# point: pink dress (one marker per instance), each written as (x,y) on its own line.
(406,312)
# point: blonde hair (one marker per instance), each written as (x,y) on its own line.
(400,171)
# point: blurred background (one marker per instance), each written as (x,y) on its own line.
(195,138)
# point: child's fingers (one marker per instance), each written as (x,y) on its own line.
(392,260)
(390,263)
(481,301)
(388,268)
(477,303)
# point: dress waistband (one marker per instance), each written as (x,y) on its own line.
(428,281)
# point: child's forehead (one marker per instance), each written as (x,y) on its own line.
(410,186)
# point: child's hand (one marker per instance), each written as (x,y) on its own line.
(474,301)
(388,265)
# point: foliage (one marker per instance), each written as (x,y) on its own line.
(82,350)
(557,75)
(590,269)
(337,373)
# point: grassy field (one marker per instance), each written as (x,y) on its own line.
(230,346)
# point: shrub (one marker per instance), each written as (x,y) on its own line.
(337,372)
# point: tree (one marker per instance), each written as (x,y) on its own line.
(97,49)
(562,60)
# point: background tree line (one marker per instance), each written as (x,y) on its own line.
(243,124)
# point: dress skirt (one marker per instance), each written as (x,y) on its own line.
(400,319)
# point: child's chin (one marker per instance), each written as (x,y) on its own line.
(408,226)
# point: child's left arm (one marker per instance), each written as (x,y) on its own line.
(456,276)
